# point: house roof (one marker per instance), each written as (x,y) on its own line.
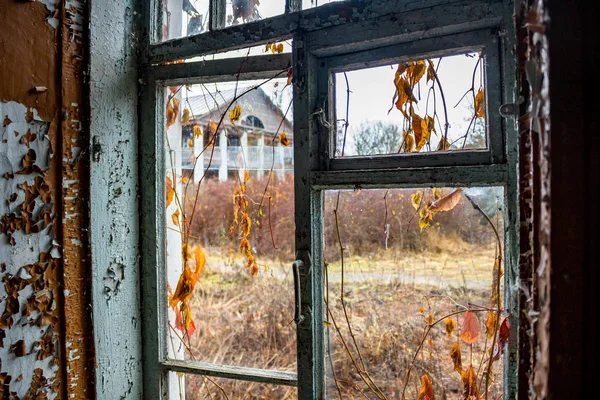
(254,103)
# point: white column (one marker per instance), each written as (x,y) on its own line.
(223,149)
(281,156)
(174,240)
(261,155)
(199,156)
(244,150)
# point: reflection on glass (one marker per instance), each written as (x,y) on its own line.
(419,106)
(395,262)
(230,223)
(316,3)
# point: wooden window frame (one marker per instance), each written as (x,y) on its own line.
(371,32)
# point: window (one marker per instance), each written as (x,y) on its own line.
(429,152)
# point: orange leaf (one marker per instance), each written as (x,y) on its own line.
(480,104)
(170,191)
(200,259)
(470,329)
(185,287)
(448,202)
(450,325)
(426,389)
(246,224)
(490,324)
(190,143)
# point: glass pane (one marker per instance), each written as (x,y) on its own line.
(196,387)
(182,18)
(420,106)
(242,11)
(406,264)
(230,223)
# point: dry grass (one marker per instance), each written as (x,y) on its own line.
(248,322)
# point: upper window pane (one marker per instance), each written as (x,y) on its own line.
(428,105)
(316,3)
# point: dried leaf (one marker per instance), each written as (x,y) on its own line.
(470,329)
(426,389)
(456,357)
(416,198)
(480,104)
(184,290)
(170,191)
(436,192)
(448,202)
(235,114)
(490,324)
(200,259)
(503,336)
(430,71)
(443,145)
(190,143)
(290,76)
(198,131)
(185,118)
(175,217)
(284,140)
(469,379)
(172,111)
(246,176)
(450,325)
(409,142)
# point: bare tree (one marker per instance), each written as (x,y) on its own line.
(377,138)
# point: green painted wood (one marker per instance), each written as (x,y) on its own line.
(231,372)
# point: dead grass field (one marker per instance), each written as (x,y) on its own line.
(248,321)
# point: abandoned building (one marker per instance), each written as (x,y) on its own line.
(281,199)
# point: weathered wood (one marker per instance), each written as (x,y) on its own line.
(412,160)
(416,20)
(229,69)
(492,175)
(114,224)
(231,372)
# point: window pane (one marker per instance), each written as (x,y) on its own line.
(242,11)
(230,224)
(182,18)
(406,107)
(398,278)
(315,3)
(196,387)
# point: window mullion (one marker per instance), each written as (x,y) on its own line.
(218,12)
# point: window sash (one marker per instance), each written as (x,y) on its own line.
(314,172)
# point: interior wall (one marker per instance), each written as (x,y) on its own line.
(45,340)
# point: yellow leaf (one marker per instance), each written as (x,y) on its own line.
(175,217)
(197,131)
(235,114)
(416,71)
(448,202)
(436,192)
(470,329)
(480,104)
(456,357)
(185,118)
(170,191)
(279,48)
(268,46)
(443,145)
(409,142)
(450,325)
(416,198)
(426,389)
(190,143)
(417,128)
(200,259)
(283,139)
(184,179)
(327,324)
(246,224)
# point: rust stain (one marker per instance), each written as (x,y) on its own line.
(28,54)
(78,346)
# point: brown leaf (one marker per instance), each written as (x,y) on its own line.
(470,329)
(469,379)
(426,389)
(448,202)
(490,324)
(290,76)
(185,118)
(443,145)
(456,357)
